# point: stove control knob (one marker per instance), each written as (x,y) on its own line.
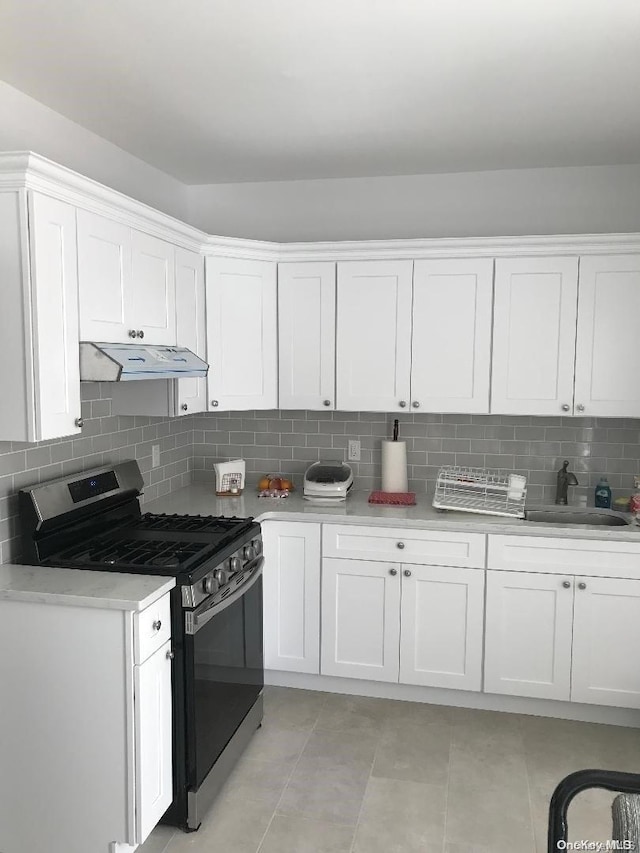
(257,546)
(235,564)
(249,552)
(221,576)
(209,584)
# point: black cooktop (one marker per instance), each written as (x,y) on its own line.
(159,544)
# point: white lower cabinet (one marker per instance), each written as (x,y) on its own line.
(441,616)
(528,634)
(291,585)
(606,637)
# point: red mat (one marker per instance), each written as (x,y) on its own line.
(393,498)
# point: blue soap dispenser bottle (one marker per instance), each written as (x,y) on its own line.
(603,494)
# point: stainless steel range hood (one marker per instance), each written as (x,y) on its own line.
(126,362)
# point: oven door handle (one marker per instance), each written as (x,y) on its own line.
(199,617)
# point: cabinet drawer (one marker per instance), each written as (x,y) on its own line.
(404,545)
(151,628)
(591,557)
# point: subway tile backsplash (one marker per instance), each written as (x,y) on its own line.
(105,438)
(287,442)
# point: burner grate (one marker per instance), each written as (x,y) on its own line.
(135,552)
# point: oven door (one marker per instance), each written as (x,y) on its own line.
(224,671)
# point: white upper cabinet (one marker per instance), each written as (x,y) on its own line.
(154,289)
(242,334)
(40,378)
(307,335)
(373,359)
(126,283)
(534,335)
(608,312)
(191,327)
(451,341)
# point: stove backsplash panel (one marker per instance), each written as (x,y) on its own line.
(105,438)
(287,442)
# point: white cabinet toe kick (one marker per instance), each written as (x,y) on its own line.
(539,625)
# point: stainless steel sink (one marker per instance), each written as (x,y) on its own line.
(560,517)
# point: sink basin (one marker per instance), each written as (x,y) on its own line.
(601,518)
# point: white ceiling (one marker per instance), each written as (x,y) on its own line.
(253,90)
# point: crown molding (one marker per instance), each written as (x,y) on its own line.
(25,169)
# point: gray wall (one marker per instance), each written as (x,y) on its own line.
(287,442)
(27,125)
(469,204)
(105,438)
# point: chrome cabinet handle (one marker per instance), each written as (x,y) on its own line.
(393,572)
(171,654)
(400,545)
(416,404)
(79,422)
(402,404)
(565,407)
(184,407)
(407,573)
(140,334)
(157,625)
(326,402)
(566,584)
(580,407)
(582,585)
(215,403)
(133,333)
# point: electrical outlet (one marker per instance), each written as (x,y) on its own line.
(155,455)
(354,450)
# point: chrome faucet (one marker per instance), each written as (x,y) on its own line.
(565,479)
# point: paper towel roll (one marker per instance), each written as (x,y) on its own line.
(394,466)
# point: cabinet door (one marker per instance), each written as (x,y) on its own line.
(104,273)
(307,335)
(191,326)
(152,702)
(534,336)
(442,627)
(291,596)
(451,340)
(154,289)
(242,335)
(606,636)
(54,295)
(608,311)
(528,629)
(373,354)
(360,619)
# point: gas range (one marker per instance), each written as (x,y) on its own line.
(94,521)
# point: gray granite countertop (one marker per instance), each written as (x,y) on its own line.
(200,499)
(79,588)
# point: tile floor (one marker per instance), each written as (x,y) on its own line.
(344,774)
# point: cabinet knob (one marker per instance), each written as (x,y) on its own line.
(407,573)
(582,585)
(393,572)
(566,407)
(79,422)
(566,584)
(171,654)
(580,407)
(326,402)
(400,545)
(416,404)
(402,404)
(157,625)
(184,407)
(140,334)
(133,333)
(214,403)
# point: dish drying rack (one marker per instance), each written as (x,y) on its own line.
(483,490)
